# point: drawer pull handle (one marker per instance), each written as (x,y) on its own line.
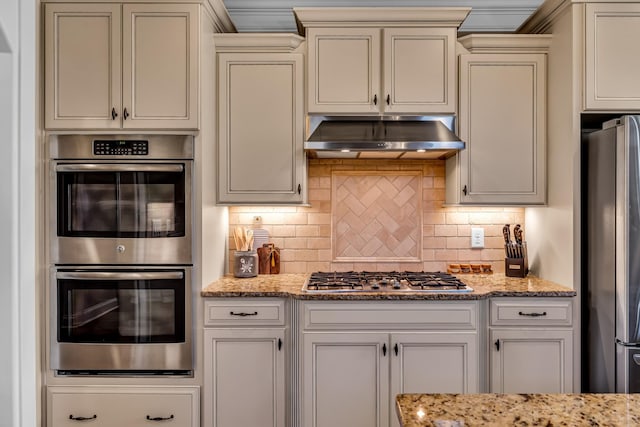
(243,314)
(71,417)
(160,418)
(534,314)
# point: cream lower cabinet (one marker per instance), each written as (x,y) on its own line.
(260,128)
(351,375)
(109,406)
(121,66)
(244,342)
(503,123)
(531,346)
(612,57)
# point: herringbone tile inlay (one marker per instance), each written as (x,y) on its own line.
(377,216)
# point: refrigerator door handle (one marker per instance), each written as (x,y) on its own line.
(627,344)
(636,358)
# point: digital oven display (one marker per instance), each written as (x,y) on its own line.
(120,148)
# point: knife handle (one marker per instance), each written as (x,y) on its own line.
(517,234)
(506,233)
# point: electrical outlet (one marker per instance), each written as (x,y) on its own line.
(477,238)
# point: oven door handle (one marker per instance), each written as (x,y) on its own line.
(97,167)
(113,275)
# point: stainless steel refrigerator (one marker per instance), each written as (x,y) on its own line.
(611,303)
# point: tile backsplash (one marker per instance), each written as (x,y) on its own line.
(378,215)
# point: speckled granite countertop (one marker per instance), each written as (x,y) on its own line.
(290,285)
(425,410)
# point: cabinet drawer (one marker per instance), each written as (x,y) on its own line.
(125,406)
(531,312)
(243,312)
(389,316)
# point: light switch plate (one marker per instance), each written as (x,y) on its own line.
(477,238)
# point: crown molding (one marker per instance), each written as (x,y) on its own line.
(220,16)
(544,17)
(379,17)
(257,42)
(505,43)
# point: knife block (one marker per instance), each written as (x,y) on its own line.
(515,267)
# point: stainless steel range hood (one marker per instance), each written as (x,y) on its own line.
(382,137)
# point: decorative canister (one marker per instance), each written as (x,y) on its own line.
(245,264)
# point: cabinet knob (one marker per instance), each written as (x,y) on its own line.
(395,349)
(497,343)
(388,99)
(113,114)
(384,349)
(299,189)
(464,190)
(279,344)
(375,99)
(125,114)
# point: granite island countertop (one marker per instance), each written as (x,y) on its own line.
(576,410)
(290,285)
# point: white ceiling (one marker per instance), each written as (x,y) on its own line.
(276,15)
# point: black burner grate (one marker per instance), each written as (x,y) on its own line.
(384,281)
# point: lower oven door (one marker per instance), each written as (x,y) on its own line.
(119,321)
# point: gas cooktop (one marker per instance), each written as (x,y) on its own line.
(384,281)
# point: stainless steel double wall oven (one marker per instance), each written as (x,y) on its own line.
(120,289)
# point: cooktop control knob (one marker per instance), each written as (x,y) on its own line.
(396,284)
(120,249)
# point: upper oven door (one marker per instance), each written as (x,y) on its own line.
(121,213)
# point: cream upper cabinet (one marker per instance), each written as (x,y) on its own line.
(372,70)
(381,60)
(113,66)
(503,123)
(344,71)
(260,127)
(612,56)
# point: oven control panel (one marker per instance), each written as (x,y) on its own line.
(120,148)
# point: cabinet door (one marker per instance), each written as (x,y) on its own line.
(82,66)
(123,406)
(612,56)
(433,362)
(260,128)
(419,70)
(502,121)
(344,70)
(244,377)
(345,380)
(160,66)
(531,361)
